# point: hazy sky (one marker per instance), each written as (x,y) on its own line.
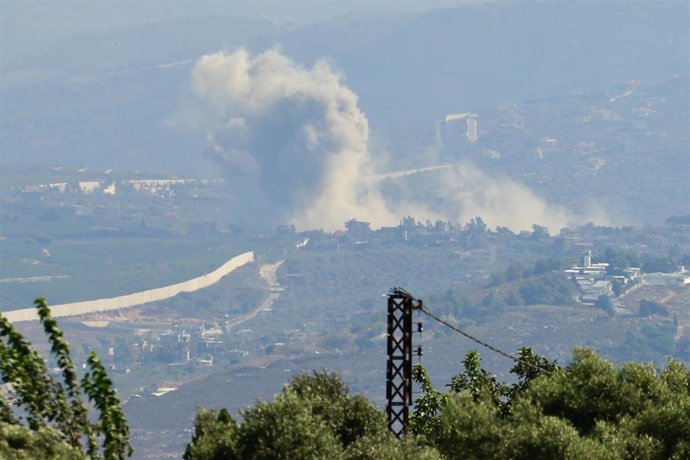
(29,26)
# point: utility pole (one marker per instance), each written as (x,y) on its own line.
(399,366)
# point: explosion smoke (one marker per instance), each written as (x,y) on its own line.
(292,140)
(294,146)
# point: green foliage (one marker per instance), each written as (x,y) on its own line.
(620,286)
(285,428)
(382,446)
(549,289)
(649,308)
(57,408)
(544,283)
(604,302)
(654,341)
(527,369)
(111,421)
(476,226)
(477,382)
(428,406)
(214,436)
(619,260)
(654,263)
(22,443)
(517,271)
(463,302)
(588,409)
(313,417)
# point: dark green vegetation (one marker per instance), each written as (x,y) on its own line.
(313,417)
(56,411)
(648,308)
(588,409)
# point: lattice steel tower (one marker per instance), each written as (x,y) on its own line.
(399,366)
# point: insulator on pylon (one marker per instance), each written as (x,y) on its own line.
(419,351)
(420,327)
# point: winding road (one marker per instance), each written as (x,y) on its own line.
(268,273)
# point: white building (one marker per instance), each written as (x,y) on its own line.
(89,186)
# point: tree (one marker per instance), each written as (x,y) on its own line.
(214,436)
(313,417)
(620,260)
(604,302)
(649,308)
(539,232)
(22,443)
(56,411)
(550,289)
(653,263)
(476,226)
(516,271)
(588,409)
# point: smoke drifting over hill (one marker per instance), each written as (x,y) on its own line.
(295,149)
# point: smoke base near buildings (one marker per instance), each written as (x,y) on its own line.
(294,148)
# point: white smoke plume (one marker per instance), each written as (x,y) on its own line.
(469,192)
(295,148)
(292,140)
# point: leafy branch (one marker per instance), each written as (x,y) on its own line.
(60,406)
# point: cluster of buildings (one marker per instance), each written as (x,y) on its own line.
(594,281)
(111,186)
(176,348)
(87,187)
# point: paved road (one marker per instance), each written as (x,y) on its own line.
(268,273)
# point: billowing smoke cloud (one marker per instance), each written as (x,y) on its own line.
(294,146)
(292,140)
(468,192)
(459,192)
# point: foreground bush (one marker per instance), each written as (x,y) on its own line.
(313,417)
(51,414)
(589,409)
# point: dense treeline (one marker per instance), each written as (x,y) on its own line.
(589,409)
(313,417)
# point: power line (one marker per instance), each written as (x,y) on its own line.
(481,342)
(418,304)
(399,392)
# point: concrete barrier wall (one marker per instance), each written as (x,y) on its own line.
(137,298)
